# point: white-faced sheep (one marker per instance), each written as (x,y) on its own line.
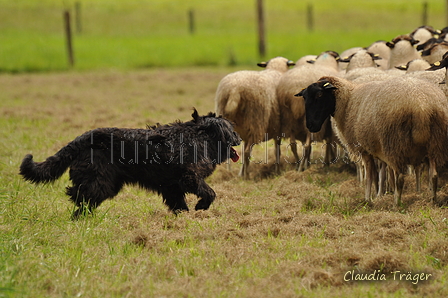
(363,67)
(440,65)
(422,34)
(248,98)
(292,111)
(380,47)
(361,59)
(417,69)
(435,52)
(345,54)
(399,121)
(402,50)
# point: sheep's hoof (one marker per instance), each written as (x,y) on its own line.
(368,203)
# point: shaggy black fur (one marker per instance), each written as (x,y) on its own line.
(170,159)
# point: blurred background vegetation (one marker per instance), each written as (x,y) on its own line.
(155,33)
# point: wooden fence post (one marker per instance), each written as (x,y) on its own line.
(425,13)
(68,35)
(191,21)
(309,17)
(261,31)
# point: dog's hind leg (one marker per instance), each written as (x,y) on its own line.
(88,196)
(174,197)
(78,196)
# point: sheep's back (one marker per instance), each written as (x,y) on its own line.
(248,99)
(397,117)
(293,81)
(292,108)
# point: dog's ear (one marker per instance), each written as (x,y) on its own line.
(195,115)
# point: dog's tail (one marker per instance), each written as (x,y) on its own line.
(53,167)
(43,172)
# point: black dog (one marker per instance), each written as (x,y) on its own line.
(171,159)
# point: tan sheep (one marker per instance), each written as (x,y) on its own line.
(380,47)
(248,98)
(440,65)
(402,50)
(345,54)
(435,52)
(361,59)
(400,121)
(292,111)
(422,34)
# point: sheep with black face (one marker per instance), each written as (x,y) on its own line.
(399,121)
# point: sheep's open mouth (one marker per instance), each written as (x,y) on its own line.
(234,155)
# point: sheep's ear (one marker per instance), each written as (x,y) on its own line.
(426,52)
(346,59)
(401,67)
(291,63)
(262,64)
(438,65)
(300,93)
(374,56)
(390,44)
(311,61)
(328,86)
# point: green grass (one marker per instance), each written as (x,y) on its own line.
(136,34)
(292,235)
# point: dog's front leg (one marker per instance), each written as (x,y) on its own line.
(207,195)
(174,198)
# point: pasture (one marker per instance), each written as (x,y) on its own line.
(142,34)
(306,234)
(293,235)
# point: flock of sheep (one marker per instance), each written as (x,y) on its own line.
(386,104)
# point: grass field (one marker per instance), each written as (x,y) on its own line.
(141,34)
(293,235)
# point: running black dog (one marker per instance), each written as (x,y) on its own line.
(171,159)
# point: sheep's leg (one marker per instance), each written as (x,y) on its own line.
(330,156)
(433,179)
(246,159)
(278,143)
(228,166)
(293,144)
(306,153)
(390,185)
(382,178)
(334,152)
(418,175)
(369,164)
(360,172)
(375,176)
(399,183)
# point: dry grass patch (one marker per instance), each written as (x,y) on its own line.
(289,235)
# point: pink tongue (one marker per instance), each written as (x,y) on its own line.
(235,156)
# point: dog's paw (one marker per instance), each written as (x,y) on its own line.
(202,205)
(180,210)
